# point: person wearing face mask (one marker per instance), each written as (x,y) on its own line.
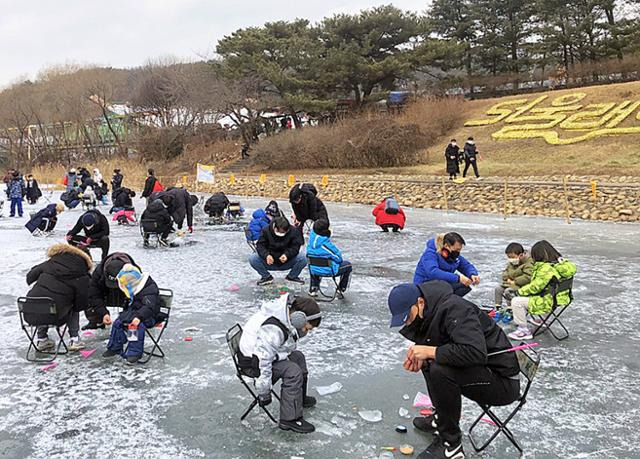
(268,352)
(516,274)
(442,261)
(454,342)
(452,155)
(278,249)
(96,230)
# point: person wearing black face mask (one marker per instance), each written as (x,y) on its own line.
(442,261)
(454,341)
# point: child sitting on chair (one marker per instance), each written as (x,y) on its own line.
(517,273)
(534,298)
(320,246)
(143,308)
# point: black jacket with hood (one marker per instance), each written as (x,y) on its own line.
(122,198)
(101,294)
(310,207)
(157,211)
(470,150)
(64,278)
(97,232)
(179,205)
(463,334)
(149,183)
(270,244)
(217,203)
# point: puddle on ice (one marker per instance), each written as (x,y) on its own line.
(584,402)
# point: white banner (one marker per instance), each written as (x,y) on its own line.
(205,174)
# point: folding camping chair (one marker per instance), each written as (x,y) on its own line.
(320,262)
(528,360)
(234,210)
(149,229)
(41,311)
(247,235)
(556,287)
(88,202)
(233,341)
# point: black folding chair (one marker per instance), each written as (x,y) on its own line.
(528,360)
(553,317)
(149,229)
(41,311)
(320,262)
(247,235)
(233,341)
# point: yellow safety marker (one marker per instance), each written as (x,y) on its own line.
(263,179)
(232,179)
(291,180)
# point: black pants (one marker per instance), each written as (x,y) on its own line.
(344,272)
(460,289)
(102,243)
(390,226)
(468,162)
(447,385)
(163,231)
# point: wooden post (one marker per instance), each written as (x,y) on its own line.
(594,190)
(444,193)
(504,210)
(566,200)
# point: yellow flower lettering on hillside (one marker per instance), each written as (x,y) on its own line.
(564,120)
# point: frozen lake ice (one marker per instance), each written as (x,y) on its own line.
(584,403)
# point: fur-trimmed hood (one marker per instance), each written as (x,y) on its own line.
(439,240)
(58,249)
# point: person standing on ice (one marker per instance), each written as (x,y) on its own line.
(442,261)
(306,205)
(453,339)
(268,352)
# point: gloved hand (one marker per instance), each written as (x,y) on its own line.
(191,229)
(88,241)
(264,399)
(68,237)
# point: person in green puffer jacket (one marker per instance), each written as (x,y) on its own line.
(533,298)
(517,273)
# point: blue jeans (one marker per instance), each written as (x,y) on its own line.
(294,266)
(16,202)
(344,272)
(118,338)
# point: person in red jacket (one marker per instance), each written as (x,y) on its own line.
(389,215)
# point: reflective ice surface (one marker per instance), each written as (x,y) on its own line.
(584,403)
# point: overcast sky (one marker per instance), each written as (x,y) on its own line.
(125,33)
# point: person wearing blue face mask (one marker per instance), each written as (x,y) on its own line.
(442,261)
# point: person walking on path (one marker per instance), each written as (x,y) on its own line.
(470,157)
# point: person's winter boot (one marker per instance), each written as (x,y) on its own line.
(133,359)
(313,292)
(298,426)
(75,344)
(297,280)
(45,344)
(428,424)
(265,281)
(109,353)
(307,400)
(441,449)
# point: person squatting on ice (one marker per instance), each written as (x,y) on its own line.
(268,352)
(45,220)
(278,249)
(140,314)
(389,215)
(216,204)
(104,290)
(96,230)
(535,298)
(441,260)
(64,278)
(453,339)
(157,212)
(320,246)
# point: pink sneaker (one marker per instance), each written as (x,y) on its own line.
(521,333)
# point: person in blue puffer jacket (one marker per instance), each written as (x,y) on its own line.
(320,246)
(442,261)
(260,220)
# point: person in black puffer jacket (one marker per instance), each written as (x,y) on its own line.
(306,205)
(104,290)
(179,203)
(96,230)
(141,313)
(116,180)
(64,278)
(454,342)
(45,220)
(452,155)
(278,249)
(470,157)
(216,204)
(157,212)
(122,199)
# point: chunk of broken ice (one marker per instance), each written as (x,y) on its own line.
(331,389)
(371,415)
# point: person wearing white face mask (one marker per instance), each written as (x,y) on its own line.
(452,155)
(278,249)
(515,275)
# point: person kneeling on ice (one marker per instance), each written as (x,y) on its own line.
(454,342)
(122,209)
(45,220)
(515,275)
(389,215)
(268,350)
(157,212)
(278,249)
(64,278)
(442,260)
(142,309)
(71,198)
(104,290)
(96,230)
(320,246)
(535,298)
